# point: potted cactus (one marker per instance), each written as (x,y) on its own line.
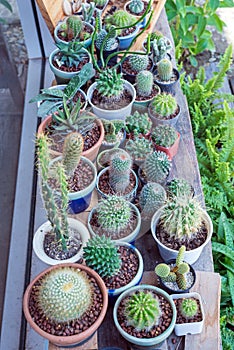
(176,276)
(179,185)
(182,221)
(160,47)
(60,298)
(120,264)
(136,8)
(190,313)
(139,148)
(166,77)
(144,315)
(138,124)
(115,134)
(166,139)
(163,109)
(152,197)
(135,63)
(116,218)
(146,90)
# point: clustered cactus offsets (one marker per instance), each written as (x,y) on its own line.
(164,135)
(119,171)
(139,148)
(138,123)
(163,106)
(110,83)
(151,198)
(157,167)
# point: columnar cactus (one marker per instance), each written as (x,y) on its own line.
(74,27)
(160,47)
(101,254)
(164,135)
(110,83)
(163,105)
(72,150)
(138,123)
(179,186)
(144,83)
(139,148)
(64,294)
(165,69)
(142,310)
(151,198)
(138,62)
(136,6)
(119,171)
(189,307)
(157,167)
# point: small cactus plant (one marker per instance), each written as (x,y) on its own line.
(139,148)
(119,18)
(179,186)
(144,83)
(165,69)
(138,123)
(101,254)
(138,62)
(69,55)
(160,47)
(163,106)
(157,167)
(108,39)
(64,294)
(110,83)
(164,135)
(189,307)
(142,310)
(151,198)
(119,171)
(136,6)
(72,28)
(72,150)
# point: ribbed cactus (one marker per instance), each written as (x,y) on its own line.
(142,310)
(72,150)
(139,148)
(99,3)
(151,198)
(182,217)
(64,294)
(110,83)
(114,214)
(189,307)
(136,6)
(179,186)
(101,254)
(119,171)
(165,69)
(163,105)
(138,62)
(144,82)
(164,135)
(120,18)
(162,270)
(74,27)
(157,167)
(138,123)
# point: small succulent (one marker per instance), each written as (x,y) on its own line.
(99,3)
(64,294)
(138,62)
(138,123)
(157,167)
(88,11)
(144,83)
(119,171)
(151,198)
(164,135)
(136,6)
(163,105)
(142,310)
(179,186)
(160,47)
(109,39)
(72,27)
(119,18)
(101,254)
(70,54)
(165,69)
(110,83)
(139,148)
(189,307)
(72,150)
(112,128)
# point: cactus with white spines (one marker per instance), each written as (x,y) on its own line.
(164,135)
(136,6)
(119,171)
(138,62)
(189,307)
(151,198)
(72,150)
(144,83)
(165,69)
(163,105)
(157,167)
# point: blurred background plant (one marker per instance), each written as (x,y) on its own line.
(8,6)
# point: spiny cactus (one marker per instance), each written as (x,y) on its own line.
(163,105)
(142,310)
(138,62)
(136,6)
(162,270)
(160,47)
(110,40)
(179,185)
(164,135)
(119,171)
(74,27)
(64,294)
(72,150)
(139,148)
(182,216)
(110,83)
(88,11)
(151,198)
(157,167)
(144,82)
(138,123)
(101,254)
(189,307)
(99,3)
(114,214)
(165,69)
(180,255)
(120,18)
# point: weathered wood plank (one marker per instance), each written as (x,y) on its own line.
(90,345)
(52,12)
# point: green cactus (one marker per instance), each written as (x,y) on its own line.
(164,135)
(136,6)
(182,217)
(100,3)
(165,69)
(88,11)
(144,83)
(163,105)
(119,18)
(101,254)
(72,150)
(138,62)
(119,171)
(189,307)
(64,294)
(179,185)
(181,281)
(139,148)
(142,310)
(110,41)
(74,26)
(138,123)
(159,47)
(180,255)
(162,270)
(157,167)
(151,198)
(110,83)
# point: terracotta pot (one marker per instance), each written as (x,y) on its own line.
(170,151)
(74,339)
(91,153)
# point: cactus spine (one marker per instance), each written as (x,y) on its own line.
(74,27)
(160,47)
(157,167)
(144,82)
(164,135)
(64,294)
(139,148)
(110,83)
(163,105)
(138,123)
(151,198)
(110,40)
(179,185)
(142,310)
(189,307)
(136,6)
(138,62)
(72,150)
(101,254)
(165,69)
(119,171)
